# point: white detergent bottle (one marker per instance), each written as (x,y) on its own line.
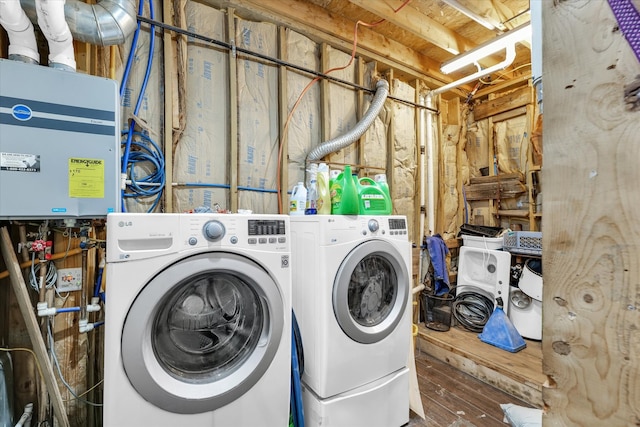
(298,199)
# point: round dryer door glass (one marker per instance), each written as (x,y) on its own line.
(208,325)
(372,290)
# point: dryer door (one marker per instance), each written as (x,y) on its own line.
(371,291)
(202,332)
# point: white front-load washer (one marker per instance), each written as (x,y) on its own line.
(351,291)
(198,320)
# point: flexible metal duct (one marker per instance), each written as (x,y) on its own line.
(108,22)
(335,144)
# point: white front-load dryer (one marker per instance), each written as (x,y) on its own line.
(198,320)
(351,291)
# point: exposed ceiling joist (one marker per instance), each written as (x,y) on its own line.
(323,26)
(417,23)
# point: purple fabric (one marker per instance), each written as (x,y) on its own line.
(628,19)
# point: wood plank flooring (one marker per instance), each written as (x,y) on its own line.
(452,398)
(520,374)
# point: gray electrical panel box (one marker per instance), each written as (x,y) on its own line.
(59,143)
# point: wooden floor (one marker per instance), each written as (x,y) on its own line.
(451,397)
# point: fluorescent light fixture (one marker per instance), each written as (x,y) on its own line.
(472,56)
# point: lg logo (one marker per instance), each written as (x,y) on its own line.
(125,224)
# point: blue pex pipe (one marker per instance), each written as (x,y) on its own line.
(67,310)
(296,388)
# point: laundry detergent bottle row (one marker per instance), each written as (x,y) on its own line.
(344,194)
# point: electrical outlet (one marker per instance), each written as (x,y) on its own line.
(69,279)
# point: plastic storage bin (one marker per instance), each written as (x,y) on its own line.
(524,242)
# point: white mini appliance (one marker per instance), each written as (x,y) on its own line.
(351,291)
(525,311)
(484,271)
(198,320)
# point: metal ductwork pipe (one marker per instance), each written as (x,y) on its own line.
(106,23)
(382,91)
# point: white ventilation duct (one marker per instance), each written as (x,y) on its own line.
(338,143)
(22,39)
(108,22)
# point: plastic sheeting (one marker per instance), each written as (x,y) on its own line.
(303,133)
(258,133)
(342,106)
(202,153)
(405,160)
(449,183)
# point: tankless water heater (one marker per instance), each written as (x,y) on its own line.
(59,143)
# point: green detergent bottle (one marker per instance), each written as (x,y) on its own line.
(372,198)
(344,194)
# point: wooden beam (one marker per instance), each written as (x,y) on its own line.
(283,107)
(169,81)
(495,178)
(495,190)
(417,23)
(40,350)
(502,86)
(515,99)
(233,112)
(323,27)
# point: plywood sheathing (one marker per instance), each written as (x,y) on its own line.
(591,232)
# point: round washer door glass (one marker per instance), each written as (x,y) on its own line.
(371,291)
(207,327)
(202,332)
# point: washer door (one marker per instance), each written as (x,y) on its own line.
(202,332)
(370,291)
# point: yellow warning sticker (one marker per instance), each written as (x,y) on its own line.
(86,178)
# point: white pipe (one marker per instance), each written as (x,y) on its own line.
(418,288)
(25,419)
(53,24)
(431,209)
(22,39)
(536,49)
(511,55)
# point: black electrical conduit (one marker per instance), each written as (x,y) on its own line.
(233,48)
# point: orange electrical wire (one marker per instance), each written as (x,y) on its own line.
(309,85)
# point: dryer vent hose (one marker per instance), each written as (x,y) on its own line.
(342,141)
